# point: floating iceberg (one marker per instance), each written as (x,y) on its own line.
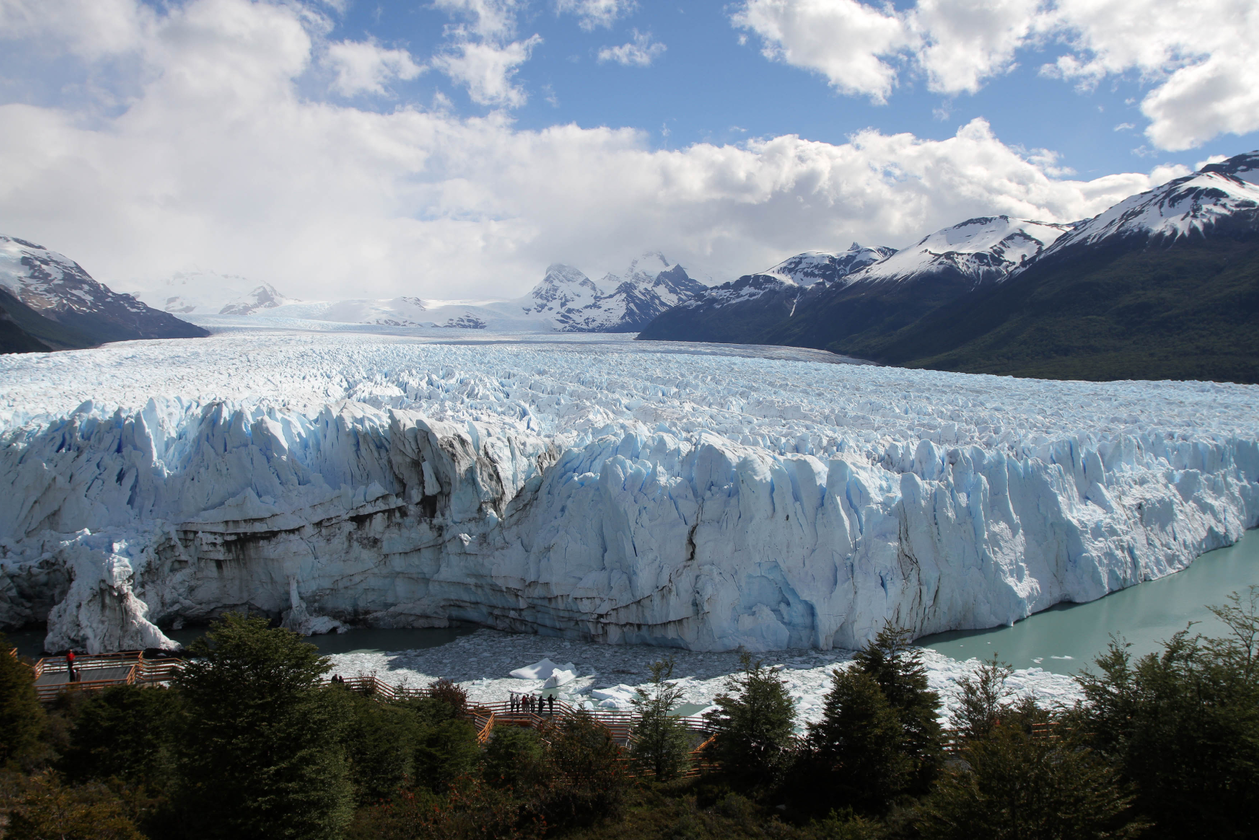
(543,670)
(627,492)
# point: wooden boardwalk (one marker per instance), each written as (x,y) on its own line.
(52,675)
(486,717)
(101,671)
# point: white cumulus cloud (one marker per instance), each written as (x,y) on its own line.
(492,19)
(1196,56)
(963,42)
(366,67)
(852,44)
(595,13)
(488,69)
(480,54)
(640,52)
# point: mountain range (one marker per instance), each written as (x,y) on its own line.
(48,302)
(565,300)
(1164,284)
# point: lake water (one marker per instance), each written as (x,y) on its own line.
(1066,638)
(1061,640)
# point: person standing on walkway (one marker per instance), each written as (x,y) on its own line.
(550,705)
(73,674)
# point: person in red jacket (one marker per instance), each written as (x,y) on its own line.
(74,674)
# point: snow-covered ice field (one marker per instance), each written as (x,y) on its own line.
(594,488)
(481,662)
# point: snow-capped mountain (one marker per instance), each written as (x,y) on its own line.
(841,302)
(812,267)
(563,289)
(856,314)
(983,250)
(739,311)
(565,300)
(626,302)
(211,293)
(52,299)
(1221,196)
(1164,284)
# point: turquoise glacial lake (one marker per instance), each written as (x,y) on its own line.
(1066,638)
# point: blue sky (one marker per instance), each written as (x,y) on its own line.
(710,83)
(454,148)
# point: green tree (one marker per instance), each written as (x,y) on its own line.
(446,750)
(982,699)
(48,809)
(513,758)
(123,732)
(1183,726)
(381,741)
(21,716)
(660,744)
(260,752)
(585,774)
(856,753)
(896,665)
(1015,785)
(754,726)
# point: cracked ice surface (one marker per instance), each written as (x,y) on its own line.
(702,497)
(481,662)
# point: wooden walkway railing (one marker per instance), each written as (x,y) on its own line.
(98,671)
(486,716)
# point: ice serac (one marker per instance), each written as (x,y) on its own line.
(623,496)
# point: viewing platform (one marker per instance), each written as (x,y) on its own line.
(52,673)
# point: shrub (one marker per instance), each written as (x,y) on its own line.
(48,809)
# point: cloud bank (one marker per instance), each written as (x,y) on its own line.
(215,155)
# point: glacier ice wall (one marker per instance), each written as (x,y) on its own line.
(603,489)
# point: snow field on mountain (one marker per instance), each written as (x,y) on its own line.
(629,492)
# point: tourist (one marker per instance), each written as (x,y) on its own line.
(70,669)
(550,704)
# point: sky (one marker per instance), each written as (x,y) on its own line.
(456,148)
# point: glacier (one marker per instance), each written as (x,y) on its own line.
(695,496)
